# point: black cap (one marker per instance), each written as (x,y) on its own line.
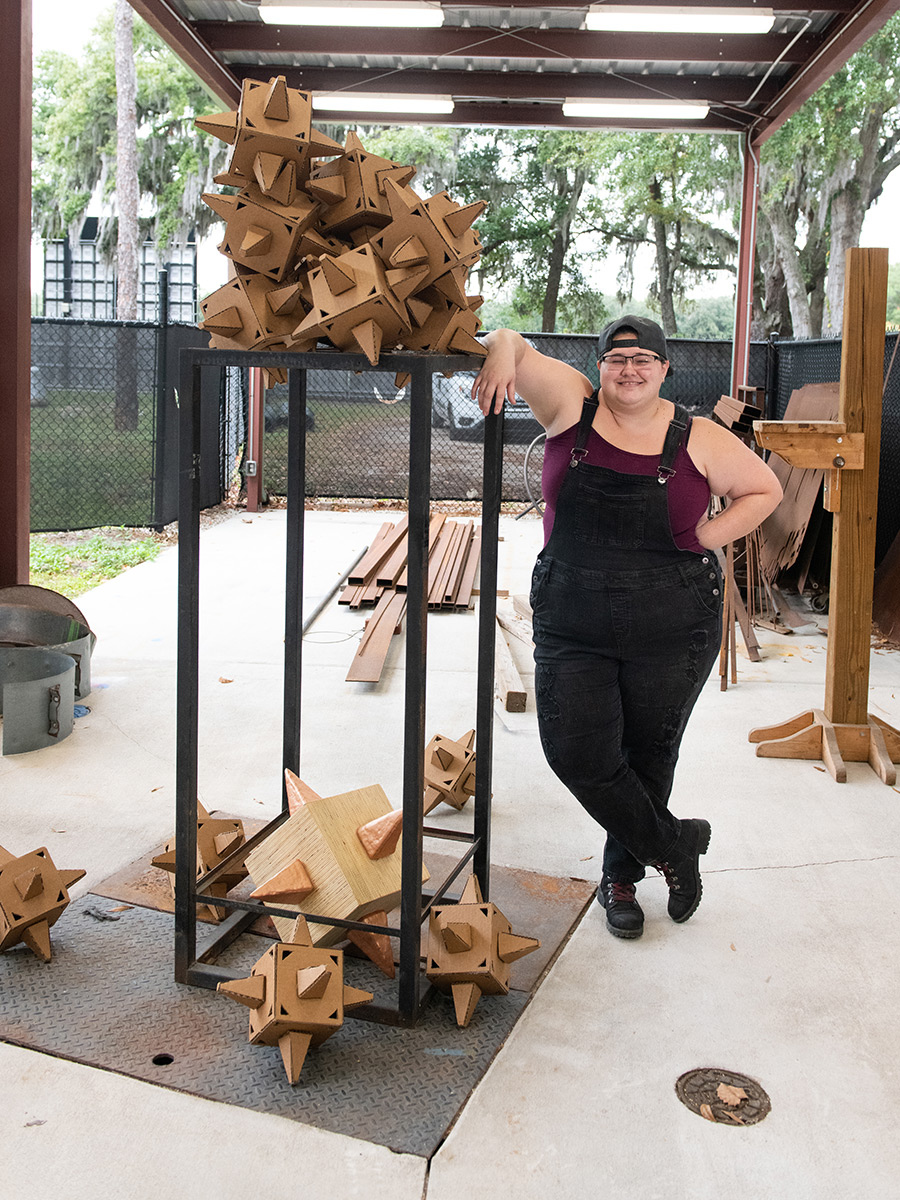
(649,336)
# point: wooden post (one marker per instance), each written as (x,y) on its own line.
(848,449)
(853,537)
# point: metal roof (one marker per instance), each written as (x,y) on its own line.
(516,65)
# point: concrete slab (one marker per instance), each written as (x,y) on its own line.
(83,1133)
(801,879)
(778,977)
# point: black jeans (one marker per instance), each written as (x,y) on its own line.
(621,657)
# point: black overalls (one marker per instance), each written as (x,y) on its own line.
(626,629)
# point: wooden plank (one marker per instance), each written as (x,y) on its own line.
(368,663)
(466,587)
(436,562)
(390,571)
(451,588)
(367,568)
(853,532)
(812,444)
(508,684)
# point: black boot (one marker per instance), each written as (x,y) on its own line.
(682,869)
(624,916)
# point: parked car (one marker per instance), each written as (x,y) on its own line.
(454,409)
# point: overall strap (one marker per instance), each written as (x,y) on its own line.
(677,433)
(588,412)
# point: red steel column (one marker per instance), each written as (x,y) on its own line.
(255,431)
(15,294)
(743,307)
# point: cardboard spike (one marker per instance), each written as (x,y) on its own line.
(29,884)
(452,285)
(465,343)
(420,310)
(312,982)
(70,877)
(457,936)
(226,842)
(330,189)
(165,861)
(511,946)
(442,757)
(298,792)
(294,1046)
(284,189)
(379,838)
(266,168)
(352,142)
(461,220)
(354,997)
(5,856)
(277,106)
(292,885)
(475,302)
(403,281)
(251,992)
(465,997)
(202,814)
(223,206)
(410,253)
(401,379)
(468,740)
(221,125)
(283,301)
(375,946)
(341,276)
(300,934)
(256,241)
(227,323)
(368,337)
(399,175)
(37,938)
(472,892)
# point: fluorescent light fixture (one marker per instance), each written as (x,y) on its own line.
(656,19)
(351,102)
(637,110)
(405,14)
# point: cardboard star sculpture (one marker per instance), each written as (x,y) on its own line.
(330,243)
(33,895)
(217,837)
(470,948)
(297,997)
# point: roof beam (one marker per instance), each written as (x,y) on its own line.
(180,36)
(244,37)
(516,85)
(841,42)
(550,116)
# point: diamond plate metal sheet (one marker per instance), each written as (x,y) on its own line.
(108,999)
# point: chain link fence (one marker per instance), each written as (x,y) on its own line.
(104,422)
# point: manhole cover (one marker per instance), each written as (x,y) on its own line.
(725,1097)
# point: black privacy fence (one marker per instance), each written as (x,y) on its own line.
(104,422)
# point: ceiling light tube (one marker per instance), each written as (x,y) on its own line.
(405,14)
(657,19)
(351,102)
(637,110)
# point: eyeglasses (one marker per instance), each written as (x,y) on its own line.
(619,361)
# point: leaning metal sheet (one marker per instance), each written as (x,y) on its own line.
(108,999)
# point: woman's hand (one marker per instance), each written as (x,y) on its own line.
(496,381)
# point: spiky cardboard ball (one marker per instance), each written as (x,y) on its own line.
(330,243)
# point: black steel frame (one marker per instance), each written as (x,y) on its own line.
(195,965)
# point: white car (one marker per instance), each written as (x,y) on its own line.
(453,408)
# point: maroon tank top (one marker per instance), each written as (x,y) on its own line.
(687,490)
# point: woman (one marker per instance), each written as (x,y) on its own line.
(627,591)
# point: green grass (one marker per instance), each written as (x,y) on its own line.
(74,566)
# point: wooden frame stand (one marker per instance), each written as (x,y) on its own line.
(848,449)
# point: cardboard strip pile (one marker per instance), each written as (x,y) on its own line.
(380,579)
(739,415)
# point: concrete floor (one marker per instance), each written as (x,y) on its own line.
(786,973)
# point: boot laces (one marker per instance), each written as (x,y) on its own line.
(620,893)
(670,875)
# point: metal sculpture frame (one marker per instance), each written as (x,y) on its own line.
(195,965)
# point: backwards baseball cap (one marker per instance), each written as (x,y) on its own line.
(648,336)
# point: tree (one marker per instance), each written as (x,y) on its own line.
(75,140)
(820,174)
(127,192)
(677,193)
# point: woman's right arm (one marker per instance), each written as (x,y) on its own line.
(551,389)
